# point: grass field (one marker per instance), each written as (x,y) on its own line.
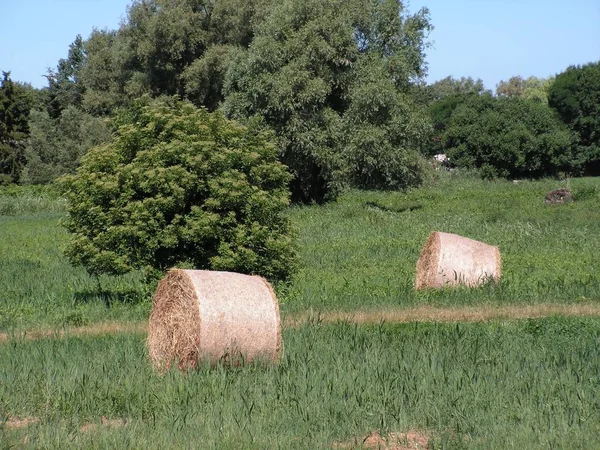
(528,384)
(531,383)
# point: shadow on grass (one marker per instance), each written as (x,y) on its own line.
(393,210)
(109,297)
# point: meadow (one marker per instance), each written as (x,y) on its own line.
(531,383)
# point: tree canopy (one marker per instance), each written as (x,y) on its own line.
(508,137)
(16,101)
(575,95)
(331,79)
(180,186)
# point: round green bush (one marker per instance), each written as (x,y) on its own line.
(179,186)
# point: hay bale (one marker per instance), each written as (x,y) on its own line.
(200,315)
(449,260)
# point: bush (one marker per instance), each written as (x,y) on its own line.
(508,137)
(180,186)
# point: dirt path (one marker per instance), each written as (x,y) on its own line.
(417,314)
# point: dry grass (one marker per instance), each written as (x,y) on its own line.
(419,314)
(200,315)
(16,423)
(413,440)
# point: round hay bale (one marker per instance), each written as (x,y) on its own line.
(449,260)
(205,316)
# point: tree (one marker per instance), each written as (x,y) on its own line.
(15,102)
(55,146)
(532,88)
(167,47)
(575,95)
(508,137)
(444,96)
(64,84)
(309,61)
(180,186)
(452,87)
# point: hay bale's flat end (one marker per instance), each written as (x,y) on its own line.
(200,315)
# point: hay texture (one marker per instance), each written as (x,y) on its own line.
(450,260)
(205,316)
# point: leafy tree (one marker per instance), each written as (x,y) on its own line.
(508,137)
(15,102)
(575,95)
(532,88)
(444,96)
(180,186)
(309,61)
(55,146)
(167,47)
(453,87)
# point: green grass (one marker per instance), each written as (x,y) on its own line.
(520,384)
(357,253)
(38,286)
(361,251)
(527,384)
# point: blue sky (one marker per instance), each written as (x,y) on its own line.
(487,39)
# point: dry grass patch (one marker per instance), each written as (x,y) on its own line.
(105,422)
(412,440)
(16,423)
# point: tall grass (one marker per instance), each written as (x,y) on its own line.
(361,251)
(528,384)
(357,253)
(21,200)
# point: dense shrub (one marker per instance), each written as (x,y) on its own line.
(508,137)
(180,186)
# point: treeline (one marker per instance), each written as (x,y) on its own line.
(338,83)
(531,128)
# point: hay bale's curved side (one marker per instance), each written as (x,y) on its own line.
(449,260)
(239,316)
(200,315)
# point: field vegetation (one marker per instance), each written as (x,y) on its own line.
(151,149)
(358,253)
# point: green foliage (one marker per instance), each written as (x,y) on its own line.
(180,186)
(64,86)
(452,87)
(15,102)
(382,130)
(532,88)
(307,65)
(55,147)
(166,47)
(508,137)
(575,95)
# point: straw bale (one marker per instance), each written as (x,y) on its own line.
(449,260)
(200,315)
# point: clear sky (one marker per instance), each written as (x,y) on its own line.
(487,39)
